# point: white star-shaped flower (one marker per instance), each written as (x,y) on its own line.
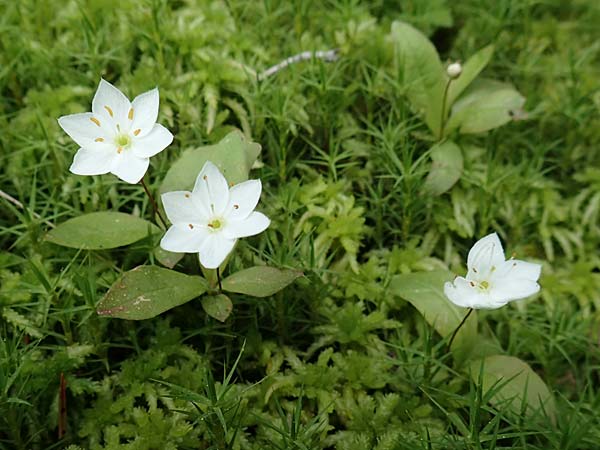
(492,281)
(118,136)
(210,219)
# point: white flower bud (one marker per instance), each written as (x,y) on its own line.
(454,70)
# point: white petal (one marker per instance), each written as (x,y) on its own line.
(485,254)
(243,198)
(508,289)
(463,294)
(110,104)
(181,238)
(85,131)
(514,268)
(211,189)
(255,223)
(92,162)
(145,112)
(181,209)
(215,249)
(152,143)
(129,167)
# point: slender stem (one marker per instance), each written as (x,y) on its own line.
(327,55)
(154,205)
(443,116)
(9,198)
(219,279)
(458,328)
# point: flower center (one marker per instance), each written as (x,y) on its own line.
(484,285)
(123,140)
(215,224)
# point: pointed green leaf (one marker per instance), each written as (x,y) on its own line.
(422,73)
(513,382)
(486,104)
(446,167)
(260,281)
(148,291)
(425,291)
(233,155)
(473,67)
(217,306)
(101,230)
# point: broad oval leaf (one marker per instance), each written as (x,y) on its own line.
(511,383)
(218,306)
(101,230)
(446,167)
(148,291)
(260,281)
(425,291)
(233,155)
(423,75)
(473,67)
(486,104)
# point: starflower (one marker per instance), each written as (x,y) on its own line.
(118,136)
(210,219)
(492,281)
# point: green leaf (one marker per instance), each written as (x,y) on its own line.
(473,67)
(423,75)
(166,258)
(486,104)
(148,291)
(425,291)
(446,167)
(101,230)
(260,281)
(511,382)
(217,306)
(233,155)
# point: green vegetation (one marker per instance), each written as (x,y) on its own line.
(372,194)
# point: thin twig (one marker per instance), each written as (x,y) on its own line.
(9,198)
(326,55)
(459,327)
(154,205)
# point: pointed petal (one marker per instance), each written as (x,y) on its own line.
(243,198)
(92,162)
(152,143)
(180,238)
(255,223)
(145,112)
(215,249)
(129,167)
(485,254)
(110,104)
(181,209)
(85,131)
(509,289)
(211,189)
(514,268)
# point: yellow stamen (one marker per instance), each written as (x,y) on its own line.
(205,178)
(99,139)
(130,115)
(119,150)
(96,121)
(136,132)
(191,226)
(110,111)
(236,206)
(187,195)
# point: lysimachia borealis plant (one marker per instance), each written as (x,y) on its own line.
(206,196)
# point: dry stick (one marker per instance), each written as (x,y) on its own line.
(154,205)
(327,55)
(459,327)
(18,204)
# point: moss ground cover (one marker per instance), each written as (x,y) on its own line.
(338,360)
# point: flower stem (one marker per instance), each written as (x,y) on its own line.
(443,115)
(154,205)
(219,279)
(458,328)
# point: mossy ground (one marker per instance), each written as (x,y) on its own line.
(334,361)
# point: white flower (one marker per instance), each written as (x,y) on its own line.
(210,219)
(118,136)
(454,70)
(491,281)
